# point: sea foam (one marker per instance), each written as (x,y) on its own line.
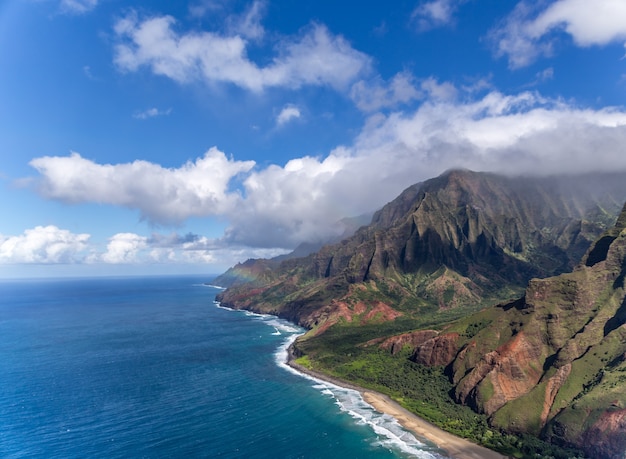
(390,433)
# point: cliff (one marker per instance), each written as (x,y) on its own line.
(552,363)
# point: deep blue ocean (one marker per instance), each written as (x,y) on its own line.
(152,367)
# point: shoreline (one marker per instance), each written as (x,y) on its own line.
(456,447)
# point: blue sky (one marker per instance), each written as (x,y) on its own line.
(183,137)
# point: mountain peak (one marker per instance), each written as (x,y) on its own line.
(461,238)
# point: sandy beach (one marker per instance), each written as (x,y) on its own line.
(456,447)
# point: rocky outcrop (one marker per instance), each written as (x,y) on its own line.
(502,375)
(326,316)
(438,350)
(553,386)
(396,343)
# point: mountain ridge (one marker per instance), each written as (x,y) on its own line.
(460,237)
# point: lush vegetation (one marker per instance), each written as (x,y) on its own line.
(425,391)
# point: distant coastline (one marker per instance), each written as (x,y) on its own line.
(456,447)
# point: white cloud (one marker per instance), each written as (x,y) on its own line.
(249,24)
(124,248)
(52,245)
(315,58)
(518,134)
(43,244)
(435,13)
(439,91)
(131,248)
(151,113)
(301,201)
(528,32)
(279,207)
(288,113)
(199,188)
(402,89)
(377,94)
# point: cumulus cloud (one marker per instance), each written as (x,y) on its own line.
(529,31)
(162,195)
(43,244)
(281,206)
(301,201)
(124,248)
(435,13)
(288,113)
(151,113)
(515,134)
(78,6)
(316,57)
(378,94)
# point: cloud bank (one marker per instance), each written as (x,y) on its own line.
(281,206)
(45,245)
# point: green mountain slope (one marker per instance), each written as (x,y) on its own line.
(553,363)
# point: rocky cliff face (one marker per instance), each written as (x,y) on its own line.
(554,362)
(461,238)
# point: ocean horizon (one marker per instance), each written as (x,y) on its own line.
(154,367)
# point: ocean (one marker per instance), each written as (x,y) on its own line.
(153,367)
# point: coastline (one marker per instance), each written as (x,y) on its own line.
(456,447)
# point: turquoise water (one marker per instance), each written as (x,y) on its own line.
(152,367)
